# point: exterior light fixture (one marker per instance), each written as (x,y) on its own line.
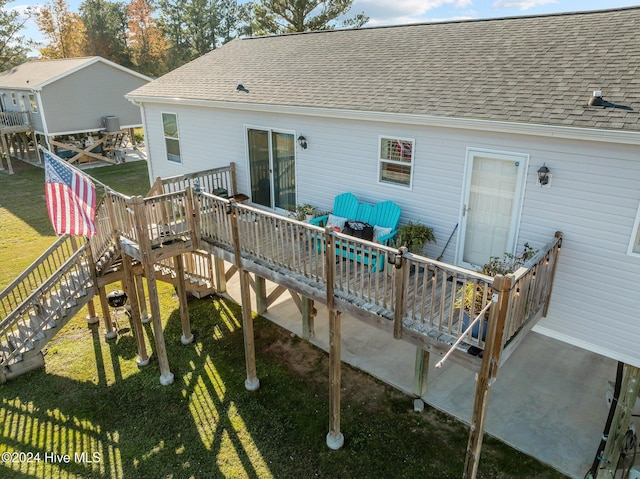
(544,176)
(302,141)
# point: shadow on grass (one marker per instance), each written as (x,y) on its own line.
(206,425)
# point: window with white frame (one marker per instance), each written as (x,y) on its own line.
(171,137)
(14,99)
(33,103)
(634,244)
(396,160)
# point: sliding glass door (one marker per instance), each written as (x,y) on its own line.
(272,168)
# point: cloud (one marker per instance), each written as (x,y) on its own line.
(520,4)
(385,12)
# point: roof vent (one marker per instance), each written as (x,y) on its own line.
(596,99)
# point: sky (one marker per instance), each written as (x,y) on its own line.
(397,12)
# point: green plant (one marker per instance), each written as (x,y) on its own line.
(414,236)
(508,263)
(473,295)
(301,212)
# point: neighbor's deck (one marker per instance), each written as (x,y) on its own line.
(413,297)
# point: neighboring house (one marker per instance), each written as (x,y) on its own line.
(452,121)
(71,97)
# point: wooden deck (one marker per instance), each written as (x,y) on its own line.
(412,297)
(183,232)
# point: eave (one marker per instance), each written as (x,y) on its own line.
(532,129)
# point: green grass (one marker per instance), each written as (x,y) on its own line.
(91,398)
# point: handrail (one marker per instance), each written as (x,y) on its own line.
(18,331)
(52,281)
(531,289)
(15,120)
(215,181)
(32,277)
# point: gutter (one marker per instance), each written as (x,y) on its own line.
(547,131)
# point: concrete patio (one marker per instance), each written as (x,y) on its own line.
(548,400)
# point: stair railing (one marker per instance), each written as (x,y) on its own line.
(47,304)
(36,274)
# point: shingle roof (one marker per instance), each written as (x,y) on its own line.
(536,69)
(37,73)
(33,73)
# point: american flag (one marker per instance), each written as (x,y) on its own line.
(71,198)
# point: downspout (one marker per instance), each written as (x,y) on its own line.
(45,130)
(143,115)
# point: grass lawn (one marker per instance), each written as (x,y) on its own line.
(114,420)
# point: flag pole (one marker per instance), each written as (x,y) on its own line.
(75,168)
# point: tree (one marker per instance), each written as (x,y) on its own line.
(64,30)
(13,47)
(284,16)
(147,44)
(195,27)
(172,21)
(106,26)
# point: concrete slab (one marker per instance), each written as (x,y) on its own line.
(548,400)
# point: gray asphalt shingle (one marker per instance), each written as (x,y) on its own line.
(538,69)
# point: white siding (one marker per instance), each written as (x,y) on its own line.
(593,200)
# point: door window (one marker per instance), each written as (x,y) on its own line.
(272,168)
(492,203)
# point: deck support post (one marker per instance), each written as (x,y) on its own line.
(335,439)
(166,376)
(143,357)
(106,314)
(308,313)
(261,294)
(220,275)
(252,383)
(92,317)
(142,300)
(421,372)
(400,292)
(488,371)
(7,153)
(621,419)
(187,335)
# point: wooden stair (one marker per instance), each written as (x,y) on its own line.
(40,302)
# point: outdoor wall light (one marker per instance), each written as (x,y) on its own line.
(302,141)
(544,176)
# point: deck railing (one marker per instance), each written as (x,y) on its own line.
(444,298)
(217,181)
(415,292)
(15,121)
(531,289)
(46,304)
(37,273)
(166,217)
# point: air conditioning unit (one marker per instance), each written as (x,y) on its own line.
(634,472)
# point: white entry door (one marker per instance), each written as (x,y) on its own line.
(491,205)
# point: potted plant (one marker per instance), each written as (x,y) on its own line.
(414,236)
(472,298)
(302,212)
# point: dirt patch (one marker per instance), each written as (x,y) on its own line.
(307,361)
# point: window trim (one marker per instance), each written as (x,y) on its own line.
(384,160)
(14,99)
(33,102)
(165,137)
(635,237)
